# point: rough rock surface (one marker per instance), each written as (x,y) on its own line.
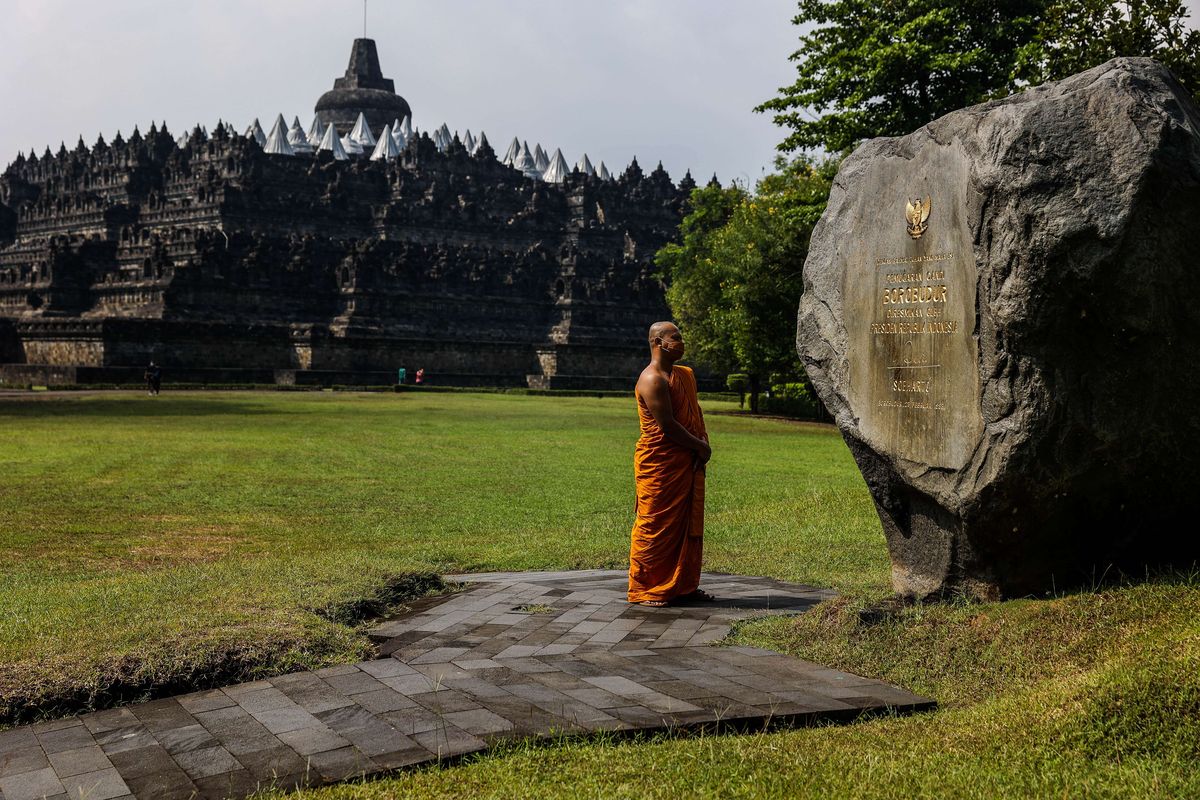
(1019,385)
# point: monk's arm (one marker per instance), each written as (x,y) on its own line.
(658,400)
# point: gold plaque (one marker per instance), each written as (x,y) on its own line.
(916,216)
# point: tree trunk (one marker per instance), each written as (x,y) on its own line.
(753,394)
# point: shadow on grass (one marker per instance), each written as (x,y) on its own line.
(404,590)
(1113,577)
(142,407)
(767,601)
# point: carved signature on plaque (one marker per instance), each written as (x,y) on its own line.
(916,215)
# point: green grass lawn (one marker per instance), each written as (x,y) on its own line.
(200,537)
(151,541)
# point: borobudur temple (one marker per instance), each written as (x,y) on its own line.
(336,254)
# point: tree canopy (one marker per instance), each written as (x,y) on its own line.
(875,68)
(1079,34)
(735,278)
(885,67)
(695,276)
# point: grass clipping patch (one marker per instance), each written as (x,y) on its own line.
(196,657)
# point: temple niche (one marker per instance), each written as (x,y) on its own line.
(333,254)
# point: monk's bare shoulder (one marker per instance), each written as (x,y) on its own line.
(652,380)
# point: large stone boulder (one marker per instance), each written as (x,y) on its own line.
(1001,312)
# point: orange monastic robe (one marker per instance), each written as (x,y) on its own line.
(664,559)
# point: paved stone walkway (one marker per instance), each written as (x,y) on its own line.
(515,655)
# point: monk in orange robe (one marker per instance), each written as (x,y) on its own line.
(668,464)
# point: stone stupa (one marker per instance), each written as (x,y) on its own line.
(362,90)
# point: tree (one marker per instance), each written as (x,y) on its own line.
(735,280)
(886,67)
(694,276)
(1079,34)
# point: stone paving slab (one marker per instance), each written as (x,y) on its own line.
(534,654)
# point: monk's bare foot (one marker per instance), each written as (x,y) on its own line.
(653,603)
(698,596)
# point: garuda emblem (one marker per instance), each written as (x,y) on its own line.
(916,215)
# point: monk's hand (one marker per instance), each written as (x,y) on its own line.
(704,453)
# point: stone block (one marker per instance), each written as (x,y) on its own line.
(274,762)
(263,700)
(164,785)
(65,739)
(31,785)
(142,762)
(411,721)
(205,701)
(448,741)
(479,722)
(307,741)
(75,762)
(341,765)
(22,760)
(386,668)
(238,783)
(109,719)
(992,313)
(281,720)
(186,739)
(206,762)
(383,700)
(378,738)
(162,715)
(353,683)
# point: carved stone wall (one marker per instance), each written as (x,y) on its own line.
(309,263)
(61,342)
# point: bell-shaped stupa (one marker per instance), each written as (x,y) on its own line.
(363,90)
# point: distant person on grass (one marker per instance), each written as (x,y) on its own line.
(153,379)
(668,465)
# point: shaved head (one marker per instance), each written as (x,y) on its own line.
(660,328)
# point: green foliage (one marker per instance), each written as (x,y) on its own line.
(1079,34)
(792,400)
(735,279)
(737,382)
(886,67)
(696,277)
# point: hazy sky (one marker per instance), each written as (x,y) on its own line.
(660,79)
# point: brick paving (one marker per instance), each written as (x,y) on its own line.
(535,654)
